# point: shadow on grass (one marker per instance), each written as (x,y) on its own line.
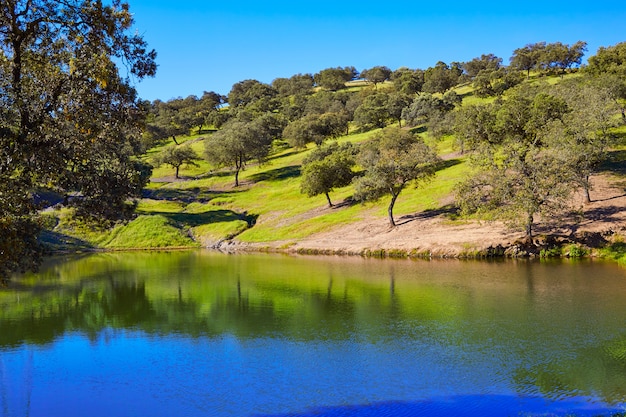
(448,163)
(56,242)
(277,174)
(286,154)
(419,129)
(216,216)
(449,211)
(189,195)
(215,174)
(615,162)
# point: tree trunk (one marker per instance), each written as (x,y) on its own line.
(529,228)
(237,177)
(176,175)
(394,197)
(399,122)
(330,204)
(174,138)
(586,189)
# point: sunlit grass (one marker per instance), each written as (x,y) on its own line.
(147,231)
(204,207)
(432,195)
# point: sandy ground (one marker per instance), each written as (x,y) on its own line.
(438,235)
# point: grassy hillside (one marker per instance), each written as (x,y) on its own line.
(203,207)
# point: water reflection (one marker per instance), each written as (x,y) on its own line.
(293,334)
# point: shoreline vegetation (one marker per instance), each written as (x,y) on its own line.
(472,159)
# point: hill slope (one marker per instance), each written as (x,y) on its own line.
(203,208)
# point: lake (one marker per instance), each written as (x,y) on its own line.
(200,333)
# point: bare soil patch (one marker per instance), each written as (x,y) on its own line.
(434,232)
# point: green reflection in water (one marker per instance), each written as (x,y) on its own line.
(556,327)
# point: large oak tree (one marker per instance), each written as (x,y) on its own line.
(68,119)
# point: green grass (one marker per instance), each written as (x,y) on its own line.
(147,231)
(615,251)
(204,207)
(144,232)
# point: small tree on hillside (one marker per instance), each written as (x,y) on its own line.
(373,111)
(376,75)
(326,169)
(528,57)
(335,78)
(177,156)
(392,160)
(408,81)
(315,128)
(238,143)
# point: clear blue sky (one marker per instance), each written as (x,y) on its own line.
(208,45)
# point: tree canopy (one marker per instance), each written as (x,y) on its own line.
(335,78)
(241,141)
(177,156)
(376,75)
(391,160)
(69,120)
(532,151)
(327,168)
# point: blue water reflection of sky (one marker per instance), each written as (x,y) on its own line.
(131,373)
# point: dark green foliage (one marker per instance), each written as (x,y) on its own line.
(252,92)
(561,57)
(528,57)
(328,168)
(442,77)
(179,116)
(608,68)
(485,64)
(106,187)
(19,247)
(295,85)
(495,83)
(474,126)
(68,119)
(426,106)
(408,81)
(532,151)
(373,111)
(315,129)
(553,56)
(335,78)
(242,140)
(376,75)
(396,103)
(177,156)
(608,60)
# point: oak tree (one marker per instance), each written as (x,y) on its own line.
(392,160)
(177,156)
(69,119)
(241,141)
(327,168)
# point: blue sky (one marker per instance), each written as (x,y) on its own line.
(207,45)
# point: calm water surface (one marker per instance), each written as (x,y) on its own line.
(208,334)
